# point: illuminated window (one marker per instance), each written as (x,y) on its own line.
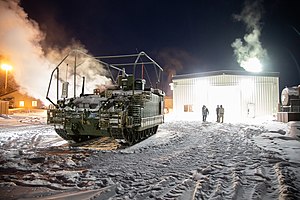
(34,103)
(22,103)
(188,108)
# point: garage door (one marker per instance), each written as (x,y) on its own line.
(227,96)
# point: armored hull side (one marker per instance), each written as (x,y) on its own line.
(121,116)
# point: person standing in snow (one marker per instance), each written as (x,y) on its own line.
(205,112)
(221,112)
(218,113)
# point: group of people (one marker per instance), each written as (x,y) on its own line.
(219,111)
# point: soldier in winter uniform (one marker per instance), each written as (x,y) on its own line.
(221,111)
(205,112)
(218,113)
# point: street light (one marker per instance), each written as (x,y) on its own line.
(6,67)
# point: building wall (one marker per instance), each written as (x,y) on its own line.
(240,95)
(19,100)
(168,104)
(3,107)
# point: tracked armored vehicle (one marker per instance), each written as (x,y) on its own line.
(130,109)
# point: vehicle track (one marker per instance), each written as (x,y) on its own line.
(198,164)
(186,160)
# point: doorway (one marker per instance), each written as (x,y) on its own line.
(227,96)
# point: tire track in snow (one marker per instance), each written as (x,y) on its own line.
(28,137)
(251,175)
(184,160)
(247,173)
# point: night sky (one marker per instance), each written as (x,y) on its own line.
(183,36)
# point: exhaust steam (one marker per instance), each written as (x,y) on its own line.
(249,51)
(21,46)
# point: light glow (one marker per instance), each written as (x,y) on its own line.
(6,67)
(21,103)
(252,65)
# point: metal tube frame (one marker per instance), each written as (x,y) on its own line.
(114,66)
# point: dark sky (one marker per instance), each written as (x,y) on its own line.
(183,36)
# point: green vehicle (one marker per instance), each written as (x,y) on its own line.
(129,109)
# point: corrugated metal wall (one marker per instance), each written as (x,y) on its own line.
(254,95)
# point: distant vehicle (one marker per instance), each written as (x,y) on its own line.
(290,96)
(130,109)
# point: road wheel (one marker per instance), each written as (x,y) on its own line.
(129,136)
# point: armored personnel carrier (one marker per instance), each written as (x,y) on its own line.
(129,109)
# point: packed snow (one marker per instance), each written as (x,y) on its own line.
(186,159)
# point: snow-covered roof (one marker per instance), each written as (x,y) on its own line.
(224,72)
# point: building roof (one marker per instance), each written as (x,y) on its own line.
(8,93)
(224,72)
(17,93)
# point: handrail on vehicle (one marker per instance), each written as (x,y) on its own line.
(99,59)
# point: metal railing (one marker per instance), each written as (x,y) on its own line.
(111,62)
(289,109)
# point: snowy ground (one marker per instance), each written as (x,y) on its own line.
(187,159)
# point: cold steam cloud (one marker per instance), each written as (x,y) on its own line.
(249,51)
(20,46)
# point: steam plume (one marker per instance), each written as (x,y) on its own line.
(248,50)
(20,45)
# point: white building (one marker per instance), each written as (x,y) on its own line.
(242,94)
